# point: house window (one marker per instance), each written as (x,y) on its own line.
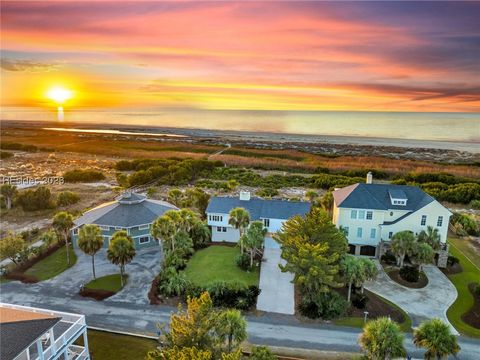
(424,220)
(118,228)
(361,214)
(359,232)
(369,215)
(75,231)
(353,214)
(373,233)
(219,229)
(346,230)
(144,227)
(440,221)
(390,234)
(104,228)
(144,240)
(224,229)
(266,222)
(216,218)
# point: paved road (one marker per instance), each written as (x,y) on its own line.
(431,301)
(277,293)
(269,329)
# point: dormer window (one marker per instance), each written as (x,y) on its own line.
(398,197)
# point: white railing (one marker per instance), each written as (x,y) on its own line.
(66,339)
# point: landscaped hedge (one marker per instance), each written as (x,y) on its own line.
(227,294)
(410,273)
(329,305)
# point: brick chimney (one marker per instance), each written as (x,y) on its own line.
(369,177)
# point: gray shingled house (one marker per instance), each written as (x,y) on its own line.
(131,212)
(272,212)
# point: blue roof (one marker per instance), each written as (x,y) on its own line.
(377,197)
(259,208)
(397,194)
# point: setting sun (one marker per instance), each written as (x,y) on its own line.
(59,94)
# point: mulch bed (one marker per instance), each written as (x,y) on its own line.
(452,270)
(96,294)
(376,307)
(472,316)
(157,299)
(18,273)
(395,276)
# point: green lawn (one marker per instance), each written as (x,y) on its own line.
(108,282)
(358,322)
(108,346)
(52,265)
(465,299)
(217,263)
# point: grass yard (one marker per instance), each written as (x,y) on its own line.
(465,300)
(52,265)
(217,263)
(109,282)
(108,346)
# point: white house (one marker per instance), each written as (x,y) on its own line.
(273,213)
(372,213)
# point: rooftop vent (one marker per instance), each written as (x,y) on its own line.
(245,195)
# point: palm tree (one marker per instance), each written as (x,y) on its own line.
(232,328)
(8,191)
(175,196)
(121,251)
(311,195)
(200,234)
(163,229)
(402,243)
(435,336)
(48,238)
(188,218)
(90,240)
(431,237)
(424,254)
(62,223)
(239,218)
(382,339)
(252,240)
(353,272)
(370,270)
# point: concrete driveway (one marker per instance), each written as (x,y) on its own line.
(144,267)
(277,292)
(420,304)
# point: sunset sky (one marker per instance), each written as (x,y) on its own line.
(356,56)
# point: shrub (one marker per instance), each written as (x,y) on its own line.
(79,175)
(475,204)
(464,225)
(267,192)
(359,301)
(243,261)
(261,353)
(233,295)
(452,260)
(66,198)
(17,146)
(327,306)
(39,199)
(389,258)
(409,273)
(476,289)
(172,283)
(5,155)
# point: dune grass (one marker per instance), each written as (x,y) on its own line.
(52,265)
(465,300)
(217,263)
